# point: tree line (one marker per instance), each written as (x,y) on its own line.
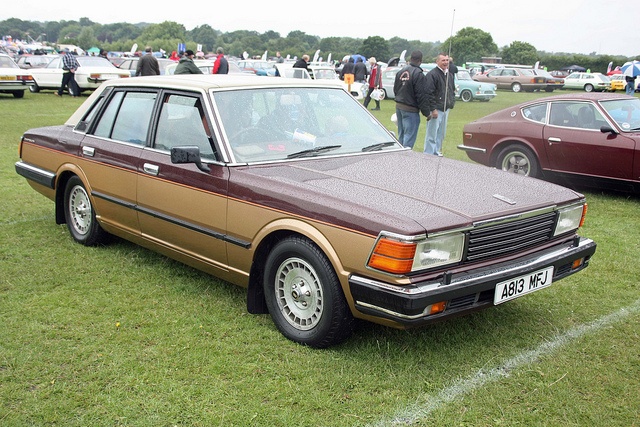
(467,45)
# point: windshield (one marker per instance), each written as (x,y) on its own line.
(625,112)
(272,124)
(463,75)
(6,62)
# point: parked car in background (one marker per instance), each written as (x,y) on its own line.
(618,82)
(559,73)
(589,82)
(291,189)
(34,61)
(93,71)
(326,73)
(257,67)
(586,139)
(515,79)
(388,79)
(131,64)
(469,89)
(206,66)
(553,83)
(13,79)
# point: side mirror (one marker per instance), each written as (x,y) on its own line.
(608,129)
(188,154)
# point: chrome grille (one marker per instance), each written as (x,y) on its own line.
(509,237)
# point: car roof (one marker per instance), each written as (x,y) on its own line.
(590,96)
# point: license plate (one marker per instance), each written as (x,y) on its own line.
(522,285)
(7,78)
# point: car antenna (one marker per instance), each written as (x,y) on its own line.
(446,76)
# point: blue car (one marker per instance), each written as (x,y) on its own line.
(468,89)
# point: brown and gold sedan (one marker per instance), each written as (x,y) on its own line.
(293,190)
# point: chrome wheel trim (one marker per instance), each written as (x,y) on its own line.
(80,210)
(299,294)
(516,162)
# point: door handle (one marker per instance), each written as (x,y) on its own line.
(151,169)
(553,139)
(88,151)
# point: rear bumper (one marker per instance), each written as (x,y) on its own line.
(463,292)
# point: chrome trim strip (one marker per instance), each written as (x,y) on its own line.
(467,148)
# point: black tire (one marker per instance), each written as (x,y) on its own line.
(18,94)
(549,89)
(588,88)
(518,159)
(304,295)
(80,215)
(34,88)
(516,87)
(466,96)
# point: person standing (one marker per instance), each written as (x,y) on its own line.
(186,64)
(360,71)
(148,64)
(375,82)
(441,98)
(221,66)
(69,66)
(348,68)
(630,87)
(411,99)
(302,62)
(279,58)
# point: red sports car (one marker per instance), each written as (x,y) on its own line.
(584,139)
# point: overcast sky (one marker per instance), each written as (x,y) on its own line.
(579,26)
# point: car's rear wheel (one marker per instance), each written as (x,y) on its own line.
(516,87)
(34,88)
(518,159)
(18,94)
(588,88)
(80,215)
(466,96)
(304,295)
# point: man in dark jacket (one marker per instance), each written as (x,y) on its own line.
(360,71)
(441,89)
(148,64)
(186,64)
(410,90)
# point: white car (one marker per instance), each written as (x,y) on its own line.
(92,72)
(13,79)
(205,65)
(324,73)
(589,82)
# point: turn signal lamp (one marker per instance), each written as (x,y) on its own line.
(393,256)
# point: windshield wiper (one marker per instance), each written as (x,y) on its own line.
(311,152)
(380,146)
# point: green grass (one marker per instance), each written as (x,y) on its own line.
(120,336)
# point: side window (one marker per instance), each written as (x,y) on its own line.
(537,113)
(183,122)
(127,117)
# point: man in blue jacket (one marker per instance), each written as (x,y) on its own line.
(441,89)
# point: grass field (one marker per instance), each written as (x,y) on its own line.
(120,336)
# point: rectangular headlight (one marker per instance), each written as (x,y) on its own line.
(438,251)
(570,218)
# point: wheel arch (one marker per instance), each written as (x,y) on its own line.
(267,239)
(500,145)
(64,175)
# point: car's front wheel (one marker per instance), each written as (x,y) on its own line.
(518,159)
(80,215)
(516,87)
(304,295)
(466,96)
(34,88)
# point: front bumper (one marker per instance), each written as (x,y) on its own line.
(463,292)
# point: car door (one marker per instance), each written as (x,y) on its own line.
(112,146)
(49,76)
(182,207)
(575,144)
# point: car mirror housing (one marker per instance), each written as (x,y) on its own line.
(188,154)
(608,129)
